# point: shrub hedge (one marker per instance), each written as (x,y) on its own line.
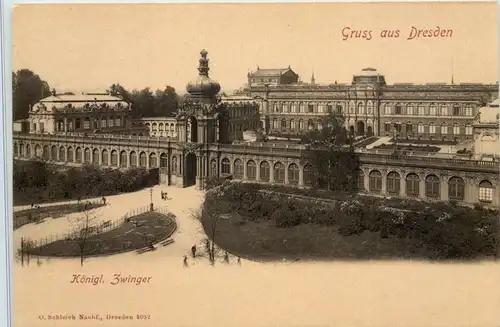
(446,230)
(38,181)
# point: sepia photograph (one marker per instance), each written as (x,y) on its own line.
(256,164)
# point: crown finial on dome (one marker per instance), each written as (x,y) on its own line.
(203,68)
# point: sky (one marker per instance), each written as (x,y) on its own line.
(82,47)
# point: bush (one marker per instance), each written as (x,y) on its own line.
(37,181)
(448,231)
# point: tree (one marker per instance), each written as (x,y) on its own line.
(83,228)
(27,89)
(119,91)
(330,152)
(214,209)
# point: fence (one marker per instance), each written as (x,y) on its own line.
(52,204)
(36,214)
(95,229)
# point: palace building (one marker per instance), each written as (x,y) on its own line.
(369,104)
(86,112)
(217,137)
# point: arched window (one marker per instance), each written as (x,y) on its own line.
(114,158)
(86,156)
(143,159)
(360,180)
(53,153)
(310,124)
(375,178)
(412,185)
(393,183)
(279,173)
(153,160)
(486,191)
(70,155)
(238,169)
(293,174)
(251,170)
(301,124)
(432,128)
(78,155)
(123,159)
(292,124)
(456,188)
(225,166)
(62,154)
(133,159)
(265,173)
(432,187)
(164,160)
(95,157)
(283,123)
(420,127)
(105,157)
(309,176)
(456,129)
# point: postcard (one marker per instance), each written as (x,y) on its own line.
(256,165)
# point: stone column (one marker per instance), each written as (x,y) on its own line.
(384,183)
(444,187)
(65,124)
(402,185)
(421,186)
(271,172)
(286,173)
(257,171)
(301,176)
(245,173)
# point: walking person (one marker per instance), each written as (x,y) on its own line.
(226,257)
(185,262)
(239,261)
(103,200)
(193,250)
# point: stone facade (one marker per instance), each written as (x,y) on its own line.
(372,107)
(206,146)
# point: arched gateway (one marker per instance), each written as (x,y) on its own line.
(201,120)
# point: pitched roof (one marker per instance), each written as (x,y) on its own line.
(270,71)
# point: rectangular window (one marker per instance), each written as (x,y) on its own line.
(387,109)
(456,111)
(421,110)
(409,110)
(103,123)
(329,108)
(444,129)
(444,111)
(387,127)
(339,108)
(468,111)
(432,129)
(42,129)
(432,111)
(310,108)
(398,110)
(86,124)
(118,122)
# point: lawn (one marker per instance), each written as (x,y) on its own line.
(263,241)
(258,222)
(22,217)
(152,227)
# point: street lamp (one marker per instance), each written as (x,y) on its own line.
(151,207)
